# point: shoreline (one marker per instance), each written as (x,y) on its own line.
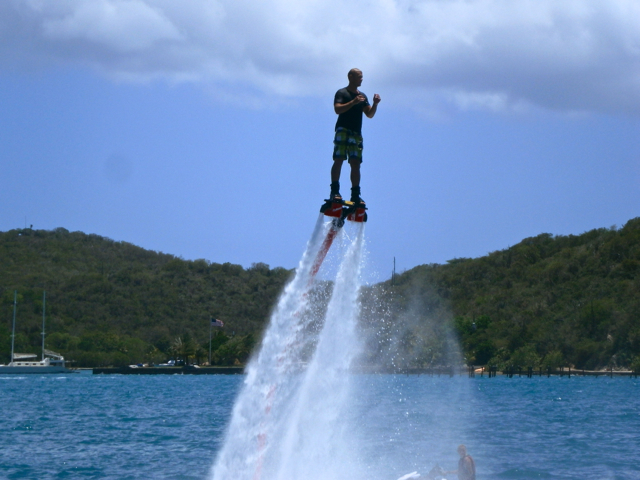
(433,371)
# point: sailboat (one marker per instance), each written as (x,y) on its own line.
(22,363)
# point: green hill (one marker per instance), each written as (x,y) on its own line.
(547,301)
(112,303)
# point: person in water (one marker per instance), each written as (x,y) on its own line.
(349,104)
(466,466)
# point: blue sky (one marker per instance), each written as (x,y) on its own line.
(204,129)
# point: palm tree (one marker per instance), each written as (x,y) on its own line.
(200,354)
(185,347)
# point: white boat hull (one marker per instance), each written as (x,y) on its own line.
(22,368)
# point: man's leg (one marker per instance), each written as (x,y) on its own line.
(355,180)
(336,169)
(355,171)
(335,178)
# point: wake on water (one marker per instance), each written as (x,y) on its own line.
(287,422)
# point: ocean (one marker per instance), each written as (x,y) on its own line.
(172,427)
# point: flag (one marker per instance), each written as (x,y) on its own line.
(217,323)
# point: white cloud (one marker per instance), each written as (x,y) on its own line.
(569,55)
(119,26)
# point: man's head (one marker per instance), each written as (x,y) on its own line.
(355,77)
(462,450)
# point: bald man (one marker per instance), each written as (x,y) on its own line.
(349,104)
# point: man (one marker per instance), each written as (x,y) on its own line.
(466,465)
(350,103)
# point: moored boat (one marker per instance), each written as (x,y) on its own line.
(24,363)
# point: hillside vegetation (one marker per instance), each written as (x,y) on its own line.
(548,301)
(112,303)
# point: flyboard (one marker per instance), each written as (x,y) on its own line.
(339,210)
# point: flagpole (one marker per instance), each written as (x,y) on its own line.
(13,331)
(210,327)
(43,310)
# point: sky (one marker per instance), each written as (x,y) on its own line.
(204,129)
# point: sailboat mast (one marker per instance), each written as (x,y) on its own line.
(13,330)
(43,310)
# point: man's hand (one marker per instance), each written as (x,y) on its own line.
(376,99)
(340,108)
(358,99)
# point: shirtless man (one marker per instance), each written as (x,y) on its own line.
(466,466)
(350,103)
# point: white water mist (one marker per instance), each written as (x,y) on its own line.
(289,419)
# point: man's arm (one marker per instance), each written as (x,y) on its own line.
(343,107)
(370,110)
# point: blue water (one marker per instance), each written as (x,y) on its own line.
(170,427)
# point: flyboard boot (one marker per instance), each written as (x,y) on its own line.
(355,196)
(335,191)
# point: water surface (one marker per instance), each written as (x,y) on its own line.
(170,427)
